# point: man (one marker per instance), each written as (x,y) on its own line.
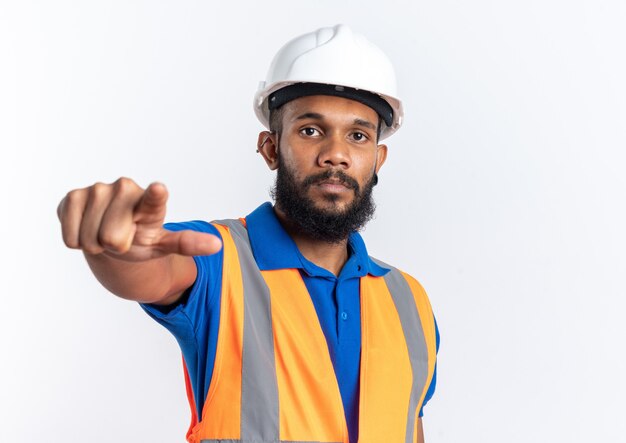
(289,330)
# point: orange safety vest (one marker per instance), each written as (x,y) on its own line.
(273,380)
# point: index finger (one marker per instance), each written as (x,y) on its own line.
(189,243)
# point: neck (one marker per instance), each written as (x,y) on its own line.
(330,256)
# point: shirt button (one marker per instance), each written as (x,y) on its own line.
(344,315)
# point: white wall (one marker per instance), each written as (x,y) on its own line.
(503,193)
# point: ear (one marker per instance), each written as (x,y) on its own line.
(381,156)
(267,146)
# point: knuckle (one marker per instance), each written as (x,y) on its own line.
(88,242)
(98,190)
(124,185)
(71,243)
(112,240)
(71,198)
(92,249)
(67,207)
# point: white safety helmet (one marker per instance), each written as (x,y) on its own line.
(332,61)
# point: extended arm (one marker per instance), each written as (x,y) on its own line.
(119,228)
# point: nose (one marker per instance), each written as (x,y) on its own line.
(334,152)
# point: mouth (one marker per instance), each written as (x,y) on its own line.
(334,186)
(332,182)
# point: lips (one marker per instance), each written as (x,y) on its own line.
(333,187)
(336,178)
(332,180)
(334,183)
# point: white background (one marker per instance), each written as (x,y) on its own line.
(503,194)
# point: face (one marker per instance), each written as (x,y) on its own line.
(327,157)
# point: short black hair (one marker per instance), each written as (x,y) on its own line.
(276,122)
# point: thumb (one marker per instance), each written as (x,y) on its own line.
(151,207)
(189,243)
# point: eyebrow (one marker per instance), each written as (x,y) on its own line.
(367,124)
(316,116)
(313,115)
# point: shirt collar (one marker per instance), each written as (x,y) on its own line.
(274,249)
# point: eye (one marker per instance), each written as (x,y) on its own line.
(310,132)
(359,136)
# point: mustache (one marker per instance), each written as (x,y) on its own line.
(340,176)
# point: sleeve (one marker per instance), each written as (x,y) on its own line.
(433,382)
(199,303)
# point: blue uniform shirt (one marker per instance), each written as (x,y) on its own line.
(194,321)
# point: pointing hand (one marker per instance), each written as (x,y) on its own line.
(124,221)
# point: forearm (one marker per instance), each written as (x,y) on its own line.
(160,280)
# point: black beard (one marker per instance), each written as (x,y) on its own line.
(320,224)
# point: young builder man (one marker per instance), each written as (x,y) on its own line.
(289,330)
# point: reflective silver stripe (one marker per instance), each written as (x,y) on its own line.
(259,388)
(414,336)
